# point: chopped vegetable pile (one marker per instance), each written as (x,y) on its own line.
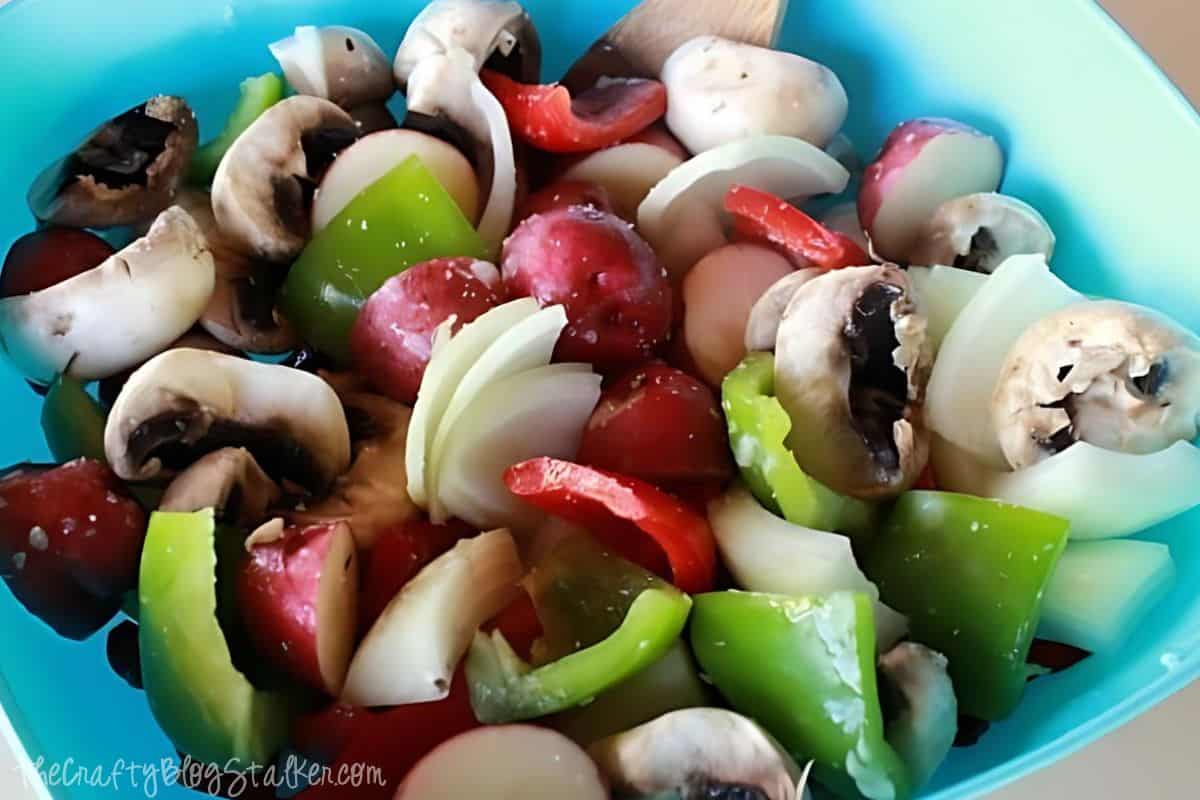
(591,459)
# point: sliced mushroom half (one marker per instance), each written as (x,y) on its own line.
(262,191)
(762,327)
(337,63)
(1116,375)
(227,480)
(851,363)
(373,494)
(125,172)
(242,311)
(980,231)
(922,709)
(117,314)
(184,404)
(499,35)
(699,753)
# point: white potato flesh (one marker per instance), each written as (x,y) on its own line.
(503,762)
(1105,494)
(541,412)
(628,172)
(1100,591)
(683,216)
(410,653)
(450,361)
(941,294)
(373,156)
(527,345)
(958,400)
(768,554)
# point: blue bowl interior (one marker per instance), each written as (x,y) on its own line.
(1097,139)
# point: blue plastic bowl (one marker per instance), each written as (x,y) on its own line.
(1096,137)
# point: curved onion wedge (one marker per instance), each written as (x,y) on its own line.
(958,400)
(942,293)
(541,412)
(627,171)
(1105,494)
(411,651)
(451,360)
(527,345)
(768,554)
(505,761)
(682,217)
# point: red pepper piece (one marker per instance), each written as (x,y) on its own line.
(762,217)
(927,480)
(520,625)
(547,117)
(610,505)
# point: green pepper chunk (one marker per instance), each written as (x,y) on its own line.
(804,668)
(73,421)
(404,218)
(257,95)
(208,709)
(970,573)
(758,431)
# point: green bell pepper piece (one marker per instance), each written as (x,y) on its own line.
(257,95)
(505,689)
(804,668)
(758,431)
(404,218)
(73,421)
(970,573)
(208,709)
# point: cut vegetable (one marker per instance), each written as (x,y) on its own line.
(768,554)
(958,399)
(942,293)
(541,412)
(925,719)
(73,422)
(627,172)
(692,195)
(500,763)
(1100,592)
(257,95)
(410,653)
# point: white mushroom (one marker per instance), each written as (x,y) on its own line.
(924,710)
(337,63)
(980,231)
(722,91)
(485,29)
(229,481)
(185,403)
(117,314)
(1116,375)
(262,191)
(851,364)
(699,752)
(762,328)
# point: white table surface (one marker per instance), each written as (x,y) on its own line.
(1153,757)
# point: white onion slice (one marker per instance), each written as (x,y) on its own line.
(497,215)
(941,294)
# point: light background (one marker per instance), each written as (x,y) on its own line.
(1151,758)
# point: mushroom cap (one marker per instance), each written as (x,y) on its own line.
(697,751)
(851,363)
(980,231)
(723,91)
(184,403)
(125,172)
(373,494)
(483,28)
(263,186)
(925,719)
(1116,375)
(337,63)
(242,310)
(228,480)
(117,314)
(762,327)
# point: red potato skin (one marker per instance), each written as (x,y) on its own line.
(398,555)
(48,257)
(564,194)
(391,339)
(70,543)
(616,294)
(659,424)
(278,590)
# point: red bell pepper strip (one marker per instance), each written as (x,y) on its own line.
(762,217)
(596,499)
(547,117)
